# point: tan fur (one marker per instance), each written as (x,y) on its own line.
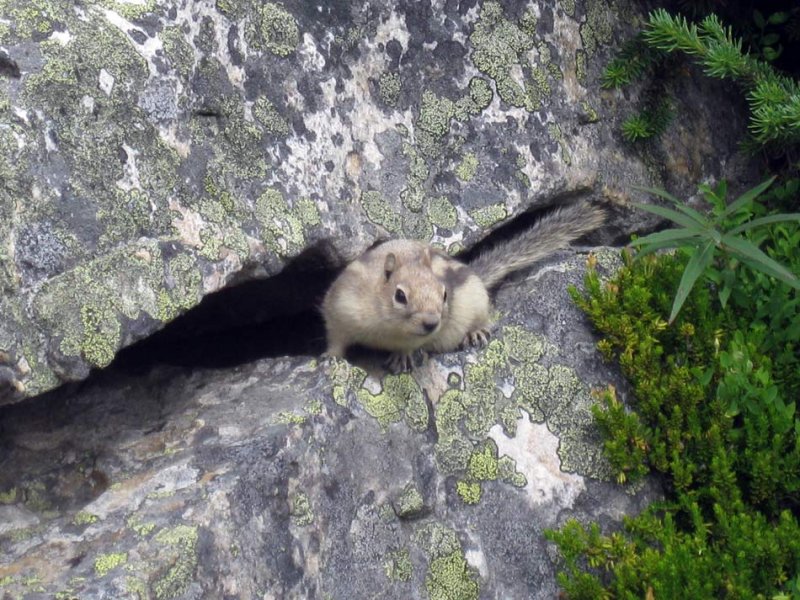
(362,307)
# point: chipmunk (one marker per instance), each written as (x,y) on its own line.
(404,295)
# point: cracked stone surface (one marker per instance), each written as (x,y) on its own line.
(294,478)
(153,152)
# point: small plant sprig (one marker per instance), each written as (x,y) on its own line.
(651,122)
(708,237)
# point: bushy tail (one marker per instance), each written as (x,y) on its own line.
(550,233)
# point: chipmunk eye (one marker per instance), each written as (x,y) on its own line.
(445,295)
(400,296)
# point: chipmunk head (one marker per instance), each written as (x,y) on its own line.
(417,297)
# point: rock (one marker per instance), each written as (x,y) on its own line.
(294,478)
(153,153)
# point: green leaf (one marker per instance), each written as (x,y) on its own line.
(724,294)
(758,19)
(771,54)
(675,236)
(778,18)
(780,218)
(753,256)
(650,248)
(673,215)
(694,268)
(747,197)
(680,205)
(770,39)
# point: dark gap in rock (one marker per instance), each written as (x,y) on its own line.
(8,67)
(263,318)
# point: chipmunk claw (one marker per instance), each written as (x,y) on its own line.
(403,362)
(476,339)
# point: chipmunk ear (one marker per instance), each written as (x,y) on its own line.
(389,265)
(426,257)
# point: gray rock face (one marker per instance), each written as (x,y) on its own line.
(150,153)
(292,478)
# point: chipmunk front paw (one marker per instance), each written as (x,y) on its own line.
(476,339)
(403,362)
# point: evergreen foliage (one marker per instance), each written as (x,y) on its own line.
(715,415)
(773,98)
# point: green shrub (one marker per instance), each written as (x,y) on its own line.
(714,415)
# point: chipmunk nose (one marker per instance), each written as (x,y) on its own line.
(430,323)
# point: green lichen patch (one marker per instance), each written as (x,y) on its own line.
(84,518)
(525,346)
(478,97)
(397,565)
(286,417)
(33,18)
(178,51)
(107,562)
(450,578)
(134,522)
(346,379)
(300,510)
(179,551)
(97,47)
(482,466)
(84,306)
(267,114)
(389,88)
(483,463)
(380,212)
(274,29)
(240,154)
(498,45)
(410,502)
(130,10)
(433,122)
(467,168)
(469,491)
(554,129)
(9,496)
(400,399)
(507,472)
(486,216)
(184,293)
(436,540)
(596,31)
(282,228)
(441,212)
(501,46)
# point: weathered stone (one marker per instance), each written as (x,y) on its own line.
(152,152)
(297,478)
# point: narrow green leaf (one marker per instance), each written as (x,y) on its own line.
(770,39)
(753,256)
(747,197)
(781,218)
(668,235)
(672,215)
(724,294)
(694,268)
(650,248)
(778,18)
